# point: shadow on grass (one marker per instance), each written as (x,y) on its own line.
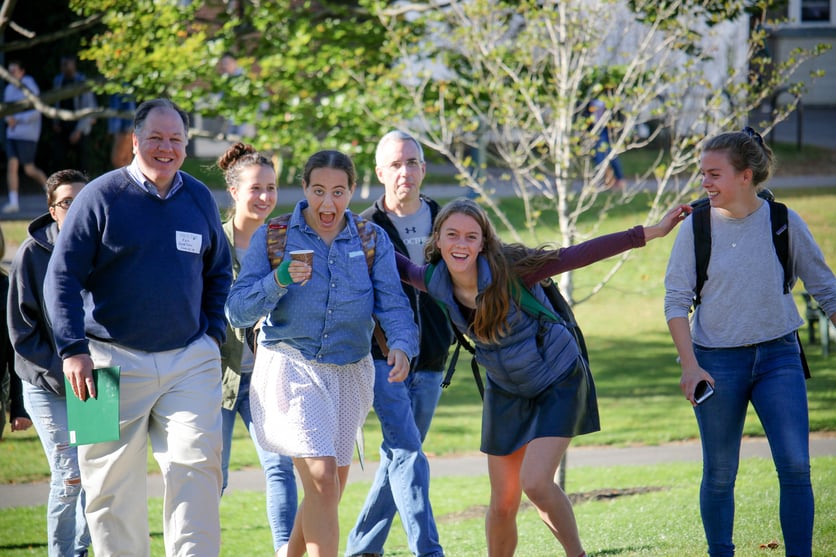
(478,511)
(624,366)
(622,550)
(29,546)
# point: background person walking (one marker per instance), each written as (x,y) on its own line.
(71,145)
(23,129)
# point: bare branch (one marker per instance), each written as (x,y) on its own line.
(43,102)
(6,9)
(72,29)
(407,7)
(21,30)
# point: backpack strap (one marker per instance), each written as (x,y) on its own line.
(277,238)
(368,239)
(461,341)
(530,304)
(778,214)
(560,312)
(701,224)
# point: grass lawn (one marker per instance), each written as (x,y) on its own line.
(621,510)
(633,361)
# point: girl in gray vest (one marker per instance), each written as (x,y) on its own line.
(539,392)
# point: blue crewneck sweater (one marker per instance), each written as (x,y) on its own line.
(147,273)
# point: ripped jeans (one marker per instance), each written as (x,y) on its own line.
(67,532)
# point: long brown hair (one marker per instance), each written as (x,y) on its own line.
(505,261)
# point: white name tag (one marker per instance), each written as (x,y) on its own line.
(356,253)
(188,242)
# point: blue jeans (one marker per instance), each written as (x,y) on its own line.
(66,526)
(770,375)
(282,497)
(402,482)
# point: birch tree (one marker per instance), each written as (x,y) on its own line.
(519,76)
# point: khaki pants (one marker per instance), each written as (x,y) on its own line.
(173,397)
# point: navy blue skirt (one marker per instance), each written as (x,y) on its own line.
(566,408)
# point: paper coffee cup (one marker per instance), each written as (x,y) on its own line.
(304,255)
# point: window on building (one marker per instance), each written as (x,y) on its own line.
(815,11)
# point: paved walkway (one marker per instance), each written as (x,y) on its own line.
(252,479)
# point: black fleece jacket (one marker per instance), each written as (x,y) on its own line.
(433,326)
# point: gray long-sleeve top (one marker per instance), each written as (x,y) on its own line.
(743,300)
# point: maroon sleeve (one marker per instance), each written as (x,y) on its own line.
(586,253)
(411,273)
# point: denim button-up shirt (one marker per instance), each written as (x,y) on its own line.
(328,319)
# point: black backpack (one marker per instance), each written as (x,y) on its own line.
(701,225)
(560,312)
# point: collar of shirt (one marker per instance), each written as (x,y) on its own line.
(136,174)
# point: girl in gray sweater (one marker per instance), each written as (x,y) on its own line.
(742,340)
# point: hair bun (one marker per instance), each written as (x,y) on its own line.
(235,152)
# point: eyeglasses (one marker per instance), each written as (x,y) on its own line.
(64,203)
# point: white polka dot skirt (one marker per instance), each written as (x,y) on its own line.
(302,408)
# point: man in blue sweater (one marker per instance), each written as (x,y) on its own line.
(138,279)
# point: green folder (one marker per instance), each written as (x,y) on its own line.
(95,420)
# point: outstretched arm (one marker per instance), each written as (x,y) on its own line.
(411,273)
(602,247)
(668,222)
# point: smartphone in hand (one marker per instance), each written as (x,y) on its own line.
(703,391)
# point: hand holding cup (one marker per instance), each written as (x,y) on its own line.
(304,256)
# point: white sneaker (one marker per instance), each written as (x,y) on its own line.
(11,208)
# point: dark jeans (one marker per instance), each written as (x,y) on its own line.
(770,376)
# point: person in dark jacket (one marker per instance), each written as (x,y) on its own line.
(11,389)
(405,409)
(71,139)
(39,366)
